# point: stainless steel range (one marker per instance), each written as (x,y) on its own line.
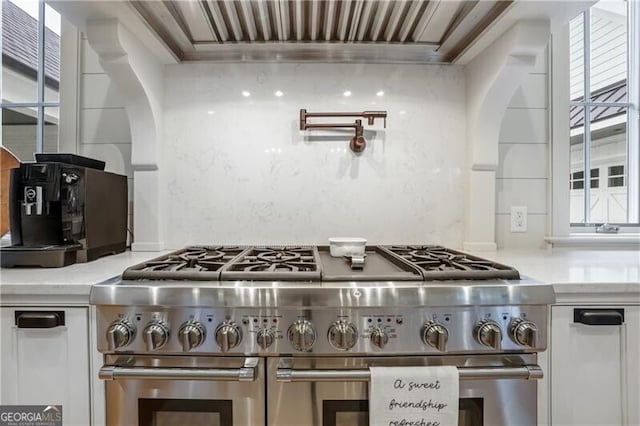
(214,335)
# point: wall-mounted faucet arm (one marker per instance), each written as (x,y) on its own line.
(357,143)
(372,115)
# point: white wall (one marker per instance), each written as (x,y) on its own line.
(237,169)
(245,174)
(522,175)
(103,124)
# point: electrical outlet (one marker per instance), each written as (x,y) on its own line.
(518,218)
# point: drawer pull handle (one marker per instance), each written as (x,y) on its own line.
(598,316)
(39,319)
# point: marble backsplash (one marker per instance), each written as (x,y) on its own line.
(236,169)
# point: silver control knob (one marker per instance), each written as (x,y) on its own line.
(120,333)
(302,335)
(156,335)
(523,332)
(488,333)
(435,335)
(191,334)
(379,337)
(343,335)
(228,335)
(264,338)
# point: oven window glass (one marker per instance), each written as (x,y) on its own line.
(345,413)
(470,412)
(181,412)
(356,413)
(172,418)
(352,419)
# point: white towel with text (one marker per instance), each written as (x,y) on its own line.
(413,396)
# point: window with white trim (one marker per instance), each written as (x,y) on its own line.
(576,179)
(30,77)
(604,153)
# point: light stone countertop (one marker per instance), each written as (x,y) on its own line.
(570,270)
(73,280)
(577,271)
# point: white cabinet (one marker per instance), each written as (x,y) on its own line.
(43,364)
(595,375)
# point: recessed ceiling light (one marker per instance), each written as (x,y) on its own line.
(347,93)
(380,93)
(403,112)
(246,94)
(211,112)
(279,93)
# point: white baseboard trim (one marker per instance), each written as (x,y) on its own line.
(159,246)
(480,246)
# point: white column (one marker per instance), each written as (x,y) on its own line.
(492,79)
(481,221)
(138,76)
(146,217)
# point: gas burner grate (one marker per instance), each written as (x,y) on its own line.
(191,263)
(271,263)
(440,263)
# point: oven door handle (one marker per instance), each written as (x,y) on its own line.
(247,373)
(525,372)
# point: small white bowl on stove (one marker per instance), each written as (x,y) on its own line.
(347,246)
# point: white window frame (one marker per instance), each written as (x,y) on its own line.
(561,231)
(39,105)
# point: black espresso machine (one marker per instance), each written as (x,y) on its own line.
(65,209)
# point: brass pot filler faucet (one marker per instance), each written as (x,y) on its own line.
(357,143)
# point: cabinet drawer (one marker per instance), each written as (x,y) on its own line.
(594,365)
(45,359)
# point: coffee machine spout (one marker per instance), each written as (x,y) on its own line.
(33,200)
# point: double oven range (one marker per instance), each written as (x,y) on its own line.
(285,336)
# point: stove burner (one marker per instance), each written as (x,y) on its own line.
(198,259)
(194,258)
(203,262)
(438,258)
(278,256)
(302,263)
(272,267)
(437,261)
(275,262)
